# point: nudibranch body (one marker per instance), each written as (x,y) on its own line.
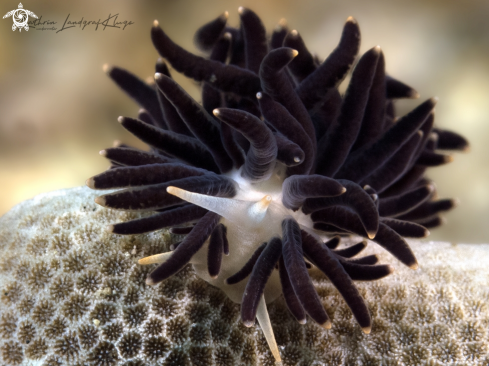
(263,175)
(251,218)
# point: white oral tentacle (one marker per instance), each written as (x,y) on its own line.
(229,208)
(157,258)
(266,327)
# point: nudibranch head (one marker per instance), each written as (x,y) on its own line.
(274,164)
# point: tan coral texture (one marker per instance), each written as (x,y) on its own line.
(73,294)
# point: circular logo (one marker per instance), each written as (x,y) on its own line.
(20,18)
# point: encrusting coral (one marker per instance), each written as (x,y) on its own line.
(93,307)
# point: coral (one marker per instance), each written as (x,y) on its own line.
(436,315)
(56,328)
(105,354)
(153,327)
(88,282)
(177,329)
(37,349)
(26,332)
(67,347)
(130,345)
(43,312)
(104,312)
(88,336)
(113,331)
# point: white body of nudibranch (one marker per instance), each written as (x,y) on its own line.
(252,217)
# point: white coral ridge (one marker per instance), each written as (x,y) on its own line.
(72,293)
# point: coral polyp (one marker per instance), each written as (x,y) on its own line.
(275,165)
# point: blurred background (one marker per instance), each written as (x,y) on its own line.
(58,109)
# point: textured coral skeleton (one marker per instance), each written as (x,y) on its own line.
(274,164)
(437,315)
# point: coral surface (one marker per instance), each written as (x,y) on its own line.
(73,294)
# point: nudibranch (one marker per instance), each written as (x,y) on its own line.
(275,165)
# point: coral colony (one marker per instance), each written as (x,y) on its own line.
(275,165)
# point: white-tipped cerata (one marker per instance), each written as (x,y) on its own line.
(90,182)
(266,327)
(107,68)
